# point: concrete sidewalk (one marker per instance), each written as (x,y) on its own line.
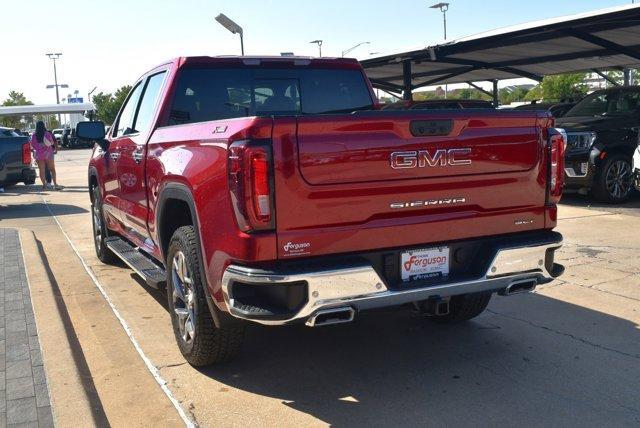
(24,396)
(95,375)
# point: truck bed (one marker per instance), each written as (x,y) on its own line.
(12,168)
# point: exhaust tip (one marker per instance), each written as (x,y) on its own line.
(518,287)
(331,316)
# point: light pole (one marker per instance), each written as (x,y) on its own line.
(227,23)
(319,43)
(353,47)
(444,7)
(91,92)
(54,57)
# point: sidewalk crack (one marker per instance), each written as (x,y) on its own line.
(569,335)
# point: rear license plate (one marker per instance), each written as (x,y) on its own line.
(429,263)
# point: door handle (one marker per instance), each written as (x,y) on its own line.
(137,155)
(114,156)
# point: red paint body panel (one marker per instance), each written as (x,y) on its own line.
(332,179)
(344,149)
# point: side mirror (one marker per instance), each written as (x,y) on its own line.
(92,131)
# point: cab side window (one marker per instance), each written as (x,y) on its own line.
(148,103)
(124,124)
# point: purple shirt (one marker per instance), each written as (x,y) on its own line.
(42,150)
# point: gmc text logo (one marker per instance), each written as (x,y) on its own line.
(423,158)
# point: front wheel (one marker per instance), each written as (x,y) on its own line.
(200,342)
(614,183)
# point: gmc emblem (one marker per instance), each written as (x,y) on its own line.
(423,158)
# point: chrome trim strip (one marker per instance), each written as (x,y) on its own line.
(362,288)
(572,173)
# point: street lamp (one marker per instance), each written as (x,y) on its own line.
(319,43)
(227,23)
(54,57)
(444,7)
(353,47)
(91,92)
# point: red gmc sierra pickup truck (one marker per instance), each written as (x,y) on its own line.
(274,190)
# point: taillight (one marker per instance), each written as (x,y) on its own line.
(557,144)
(26,154)
(250,185)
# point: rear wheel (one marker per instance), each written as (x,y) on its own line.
(614,183)
(463,308)
(200,342)
(100,232)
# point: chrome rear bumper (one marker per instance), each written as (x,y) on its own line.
(360,287)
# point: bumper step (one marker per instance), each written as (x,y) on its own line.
(155,276)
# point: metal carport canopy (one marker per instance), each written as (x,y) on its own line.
(603,39)
(47,109)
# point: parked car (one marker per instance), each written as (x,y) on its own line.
(15,159)
(439,105)
(556,109)
(602,136)
(270,190)
(57,133)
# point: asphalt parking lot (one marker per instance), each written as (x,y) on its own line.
(568,354)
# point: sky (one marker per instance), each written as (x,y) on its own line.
(107,44)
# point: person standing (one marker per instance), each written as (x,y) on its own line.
(65,138)
(45,145)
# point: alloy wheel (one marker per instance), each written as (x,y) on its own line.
(619,179)
(183,297)
(97,226)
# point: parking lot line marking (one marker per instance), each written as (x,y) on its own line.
(150,366)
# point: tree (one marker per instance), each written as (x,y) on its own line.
(564,87)
(15,99)
(534,94)
(559,87)
(465,94)
(108,105)
(512,94)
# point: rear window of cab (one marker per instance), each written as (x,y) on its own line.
(205,94)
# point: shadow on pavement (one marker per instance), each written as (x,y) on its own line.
(575,200)
(20,189)
(159,295)
(38,209)
(530,360)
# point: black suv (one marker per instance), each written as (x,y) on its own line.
(602,135)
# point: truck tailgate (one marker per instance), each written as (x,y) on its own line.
(375,180)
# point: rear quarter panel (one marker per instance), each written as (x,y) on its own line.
(195,156)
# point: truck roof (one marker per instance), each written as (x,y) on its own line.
(331,62)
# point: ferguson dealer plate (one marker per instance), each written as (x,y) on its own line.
(431,263)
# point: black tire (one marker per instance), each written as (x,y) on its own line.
(200,342)
(100,231)
(30,181)
(614,182)
(463,308)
